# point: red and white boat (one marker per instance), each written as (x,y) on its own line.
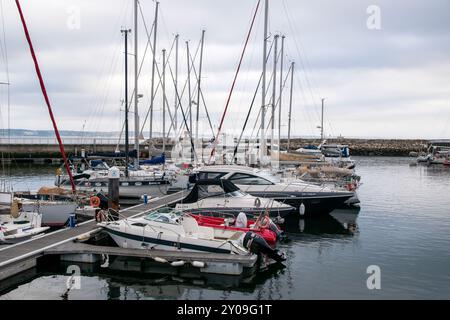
(229,224)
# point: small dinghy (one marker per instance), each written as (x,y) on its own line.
(19,226)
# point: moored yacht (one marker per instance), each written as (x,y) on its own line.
(307,198)
(215,196)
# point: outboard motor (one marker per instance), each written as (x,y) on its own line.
(257,245)
(281,236)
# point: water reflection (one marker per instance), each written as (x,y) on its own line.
(121,285)
(339,222)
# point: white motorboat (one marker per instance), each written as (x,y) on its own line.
(152,180)
(307,198)
(171,231)
(211,196)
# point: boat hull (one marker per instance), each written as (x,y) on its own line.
(165,242)
(314,205)
(53,215)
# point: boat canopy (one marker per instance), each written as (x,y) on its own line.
(155,160)
(210,187)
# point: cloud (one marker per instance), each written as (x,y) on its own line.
(391,82)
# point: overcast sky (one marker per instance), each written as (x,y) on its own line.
(392,81)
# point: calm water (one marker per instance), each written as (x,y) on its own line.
(403,227)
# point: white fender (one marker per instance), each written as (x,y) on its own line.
(302,209)
(198,264)
(177,263)
(162,260)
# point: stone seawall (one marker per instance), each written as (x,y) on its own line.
(368,147)
(358,147)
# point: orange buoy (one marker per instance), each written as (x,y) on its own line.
(94,201)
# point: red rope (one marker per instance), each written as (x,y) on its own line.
(44,92)
(234,82)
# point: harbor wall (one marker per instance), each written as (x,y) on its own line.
(368,147)
(49,153)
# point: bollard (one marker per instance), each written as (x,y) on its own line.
(72,220)
(113,188)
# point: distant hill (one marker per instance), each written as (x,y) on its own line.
(51,133)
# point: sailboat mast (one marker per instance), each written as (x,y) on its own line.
(290,106)
(127,147)
(152,98)
(175,127)
(164,98)
(44,93)
(189,86)
(321,127)
(262,144)
(274,91)
(198,85)
(281,88)
(136,92)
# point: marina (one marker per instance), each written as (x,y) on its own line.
(172,184)
(342,246)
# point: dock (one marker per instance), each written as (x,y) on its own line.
(68,245)
(19,257)
(155,261)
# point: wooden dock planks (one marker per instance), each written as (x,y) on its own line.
(35,247)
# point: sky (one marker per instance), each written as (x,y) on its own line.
(382,66)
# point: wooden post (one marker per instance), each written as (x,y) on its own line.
(113,188)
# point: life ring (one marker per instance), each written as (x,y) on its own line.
(257,202)
(94,201)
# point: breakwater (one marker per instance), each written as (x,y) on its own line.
(368,147)
(27,151)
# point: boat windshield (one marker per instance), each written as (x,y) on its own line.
(172,218)
(235,194)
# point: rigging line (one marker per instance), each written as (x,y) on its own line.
(184,88)
(307,84)
(253,130)
(149,41)
(100,100)
(300,54)
(8,94)
(305,101)
(44,92)
(277,104)
(201,94)
(234,80)
(156,90)
(96,98)
(251,106)
(184,116)
(147,46)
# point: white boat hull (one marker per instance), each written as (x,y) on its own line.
(53,214)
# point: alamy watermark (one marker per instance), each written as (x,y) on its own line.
(74,280)
(73,21)
(374,280)
(374,19)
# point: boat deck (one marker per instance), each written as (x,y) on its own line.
(21,256)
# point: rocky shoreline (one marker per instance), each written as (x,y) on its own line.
(368,147)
